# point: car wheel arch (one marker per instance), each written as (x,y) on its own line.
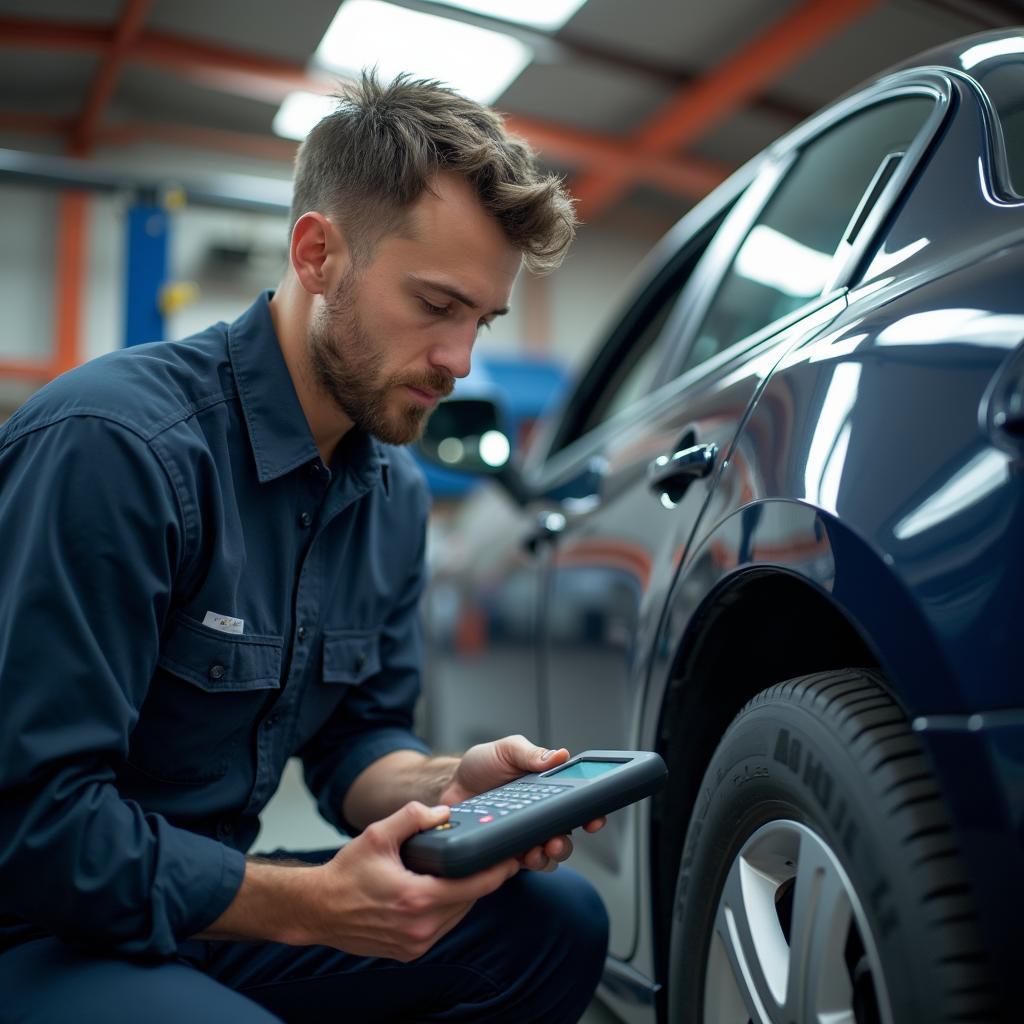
(712,677)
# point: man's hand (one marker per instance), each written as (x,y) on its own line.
(363,901)
(366,902)
(488,765)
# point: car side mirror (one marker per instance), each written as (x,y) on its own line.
(466,435)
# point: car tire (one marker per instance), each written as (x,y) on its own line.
(820,878)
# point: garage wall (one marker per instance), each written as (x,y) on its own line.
(232,255)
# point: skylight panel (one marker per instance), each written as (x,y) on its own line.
(299,112)
(477,62)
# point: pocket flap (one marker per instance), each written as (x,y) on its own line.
(350,655)
(218,661)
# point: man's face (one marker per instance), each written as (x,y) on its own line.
(388,342)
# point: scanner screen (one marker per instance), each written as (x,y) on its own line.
(586,769)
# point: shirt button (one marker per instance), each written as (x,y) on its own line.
(301,633)
(305,519)
(216,671)
(224,830)
(361,661)
(273,718)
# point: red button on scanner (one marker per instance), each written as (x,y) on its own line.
(486,818)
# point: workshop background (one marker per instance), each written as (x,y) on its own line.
(146,149)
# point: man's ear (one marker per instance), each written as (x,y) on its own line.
(317,252)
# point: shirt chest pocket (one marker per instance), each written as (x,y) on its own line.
(208,690)
(351,656)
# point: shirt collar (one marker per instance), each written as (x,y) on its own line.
(278,430)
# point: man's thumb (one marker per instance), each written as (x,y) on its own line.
(412,818)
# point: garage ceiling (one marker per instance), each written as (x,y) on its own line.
(645,101)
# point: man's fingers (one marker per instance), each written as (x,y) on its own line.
(537,860)
(559,848)
(523,755)
(595,825)
(407,821)
(472,887)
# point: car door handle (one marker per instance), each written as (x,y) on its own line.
(672,474)
(549,526)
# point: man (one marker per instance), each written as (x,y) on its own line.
(211,559)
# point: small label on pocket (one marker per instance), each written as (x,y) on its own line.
(225,623)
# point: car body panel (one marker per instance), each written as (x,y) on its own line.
(868,457)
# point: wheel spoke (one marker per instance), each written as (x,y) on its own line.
(727,997)
(755,956)
(818,985)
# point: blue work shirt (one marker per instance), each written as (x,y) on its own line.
(188,596)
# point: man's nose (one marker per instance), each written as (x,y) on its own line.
(455,351)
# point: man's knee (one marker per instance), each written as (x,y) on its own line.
(553,930)
(575,913)
(49,982)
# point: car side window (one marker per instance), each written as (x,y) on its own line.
(627,368)
(786,259)
(635,373)
(1002,83)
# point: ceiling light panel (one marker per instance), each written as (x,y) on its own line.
(477,62)
(299,112)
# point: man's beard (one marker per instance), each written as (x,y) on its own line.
(347,366)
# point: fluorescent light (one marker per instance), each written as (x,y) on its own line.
(549,15)
(299,112)
(476,62)
(995,48)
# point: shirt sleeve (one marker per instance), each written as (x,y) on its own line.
(376,718)
(92,539)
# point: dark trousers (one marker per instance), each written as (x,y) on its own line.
(532,951)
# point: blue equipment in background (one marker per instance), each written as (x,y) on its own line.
(148,245)
(528,386)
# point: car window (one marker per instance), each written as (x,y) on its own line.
(786,258)
(628,366)
(635,373)
(1002,82)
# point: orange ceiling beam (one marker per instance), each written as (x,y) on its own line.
(40,34)
(220,67)
(270,79)
(688,176)
(704,103)
(264,147)
(233,71)
(34,124)
(105,80)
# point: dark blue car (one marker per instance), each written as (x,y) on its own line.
(777,534)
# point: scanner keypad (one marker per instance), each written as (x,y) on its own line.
(507,798)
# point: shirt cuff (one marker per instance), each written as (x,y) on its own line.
(202,878)
(359,755)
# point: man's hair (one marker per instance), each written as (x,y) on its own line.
(369,160)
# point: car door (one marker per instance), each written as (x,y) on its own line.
(482,610)
(770,279)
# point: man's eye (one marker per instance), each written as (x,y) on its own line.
(434,310)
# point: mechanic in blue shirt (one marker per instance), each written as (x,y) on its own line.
(211,555)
